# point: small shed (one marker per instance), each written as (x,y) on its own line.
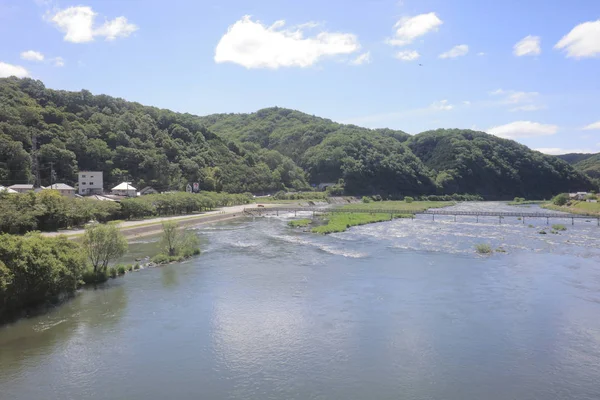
(124,189)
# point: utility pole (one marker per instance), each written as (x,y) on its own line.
(34,161)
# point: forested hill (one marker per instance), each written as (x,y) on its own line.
(269,150)
(586,163)
(149,146)
(467,161)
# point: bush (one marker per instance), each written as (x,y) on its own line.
(121,269)
(483,249)
(136,266)
(519,200)
(90,277)
(366,199)
(161,259)
(130,267)
(561,199)
(112,272)
(559,227)
(408,199)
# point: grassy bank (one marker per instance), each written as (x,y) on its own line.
(577,207)
(339,222)
(526,202)
(415,206)
(300,223)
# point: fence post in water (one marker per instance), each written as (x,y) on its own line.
(547,221)
(523,218)
(573,221)
(433,217)
(477,218)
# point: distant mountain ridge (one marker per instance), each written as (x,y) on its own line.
(268,150)
(587,163)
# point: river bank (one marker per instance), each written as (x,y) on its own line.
(148,227)
(576,207)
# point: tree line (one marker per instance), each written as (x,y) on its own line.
(47,210)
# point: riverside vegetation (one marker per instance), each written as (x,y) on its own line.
(270,150)
(176,244)
(340,222)
(47,210)
(37,270)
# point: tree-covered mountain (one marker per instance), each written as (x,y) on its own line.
(467,161)
(268,150)
(584,162)
(79,131)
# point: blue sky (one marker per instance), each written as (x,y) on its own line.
(526,70)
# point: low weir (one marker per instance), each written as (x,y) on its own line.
(259,211)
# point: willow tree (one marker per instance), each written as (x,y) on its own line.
(103,243)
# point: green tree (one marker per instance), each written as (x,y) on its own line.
(177,241)
(103,243)
(561,199)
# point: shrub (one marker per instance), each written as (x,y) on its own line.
(90,277)
(409,199)
(559,227)
(130,267)
(112,272)
(121,269)
(483,249)
(366,199)
(161,259)
(136,266)
(561,199)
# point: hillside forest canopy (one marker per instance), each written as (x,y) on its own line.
(270,150)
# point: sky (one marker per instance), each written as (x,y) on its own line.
(524,70)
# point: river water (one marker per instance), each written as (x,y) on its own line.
(397,310)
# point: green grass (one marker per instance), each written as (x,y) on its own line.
(340,222)
(577,207)
(526,202)
(559,227)
(415,206)
(483,249)
(300,223)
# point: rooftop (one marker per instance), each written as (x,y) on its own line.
(21,186)
(124,186)
(60,186)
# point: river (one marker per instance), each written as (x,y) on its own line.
(397,310)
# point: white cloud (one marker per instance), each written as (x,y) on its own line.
(31,55)
(254,45)
(481,54)
(58,61)
(582,41)
(456,51)
(7,70)
(410,28)
(519,101)
(523,129)
(441,105)
(591,127)
(558,150)
(528,107)
(528,46)
(407,55)
(78,25)
(467,103)
(364,58)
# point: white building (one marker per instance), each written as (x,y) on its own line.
(21,188)
(90,182)
(7,190)
(63,189)
(124,189)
